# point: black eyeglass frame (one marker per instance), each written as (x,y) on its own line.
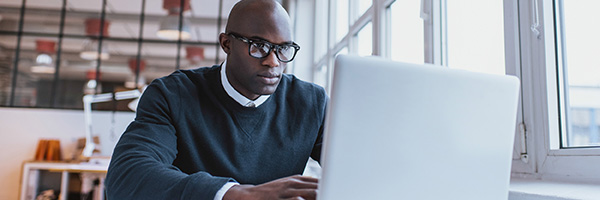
(268,44)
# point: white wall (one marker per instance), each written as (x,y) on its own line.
(21,128)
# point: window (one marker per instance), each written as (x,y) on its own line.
(321,76)
(406,32)
(59,50)
(365,41)
(341,19)
(6,42)
(475,35)
(549,44)
(580,73)
(343,51)
(321,30)
(361,7)
(349,31)
(553,126)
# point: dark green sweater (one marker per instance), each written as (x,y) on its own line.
(189,137)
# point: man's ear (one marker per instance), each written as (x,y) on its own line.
(225,42)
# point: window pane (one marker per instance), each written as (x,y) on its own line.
(320,30)
(341,19)
(406,36)
(203,30)
(343,51)
(582,72)
(11,11)
(13,3)
(42,16)
(365,40)
(194,56)
(74,74)
(7,53)
(321,76)
(35,72)
(78,12)
(158,18)
(362,6)
(124,17)
(77,75)
(161,60)
(153,8)
(476,35)
(36,86)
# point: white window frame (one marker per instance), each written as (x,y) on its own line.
(540,104)
(375,14)
(529,56)
(512,55)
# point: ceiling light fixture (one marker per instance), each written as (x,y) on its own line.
(92,86)
(90,45)
(44,59)
(169,25)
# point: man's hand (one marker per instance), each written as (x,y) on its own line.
(293,187)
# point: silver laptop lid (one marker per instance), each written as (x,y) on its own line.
(406,131)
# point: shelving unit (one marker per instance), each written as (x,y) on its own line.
(63,177)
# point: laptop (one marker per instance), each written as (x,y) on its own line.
(407,131)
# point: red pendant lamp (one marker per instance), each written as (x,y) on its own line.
(133,65)
(169,25)
(90,46)
(194,55)
(44,59)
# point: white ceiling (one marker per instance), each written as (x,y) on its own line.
(43,16)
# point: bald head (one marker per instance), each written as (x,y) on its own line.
(259,17)
(253,24)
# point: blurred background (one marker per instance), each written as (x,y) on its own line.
(53,51)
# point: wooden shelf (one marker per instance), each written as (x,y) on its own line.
(61,176)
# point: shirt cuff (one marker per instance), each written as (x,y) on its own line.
(221,193)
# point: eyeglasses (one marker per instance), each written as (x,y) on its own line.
(261,49)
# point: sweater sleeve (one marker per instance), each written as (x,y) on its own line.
(141,165)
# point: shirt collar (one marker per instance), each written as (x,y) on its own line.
(241,99)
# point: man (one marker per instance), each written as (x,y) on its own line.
(241,130)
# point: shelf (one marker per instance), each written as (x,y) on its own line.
(66,177)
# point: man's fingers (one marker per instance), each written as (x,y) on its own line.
(294,198)
(306,178)
(304,193)
(299,183)
(300,187)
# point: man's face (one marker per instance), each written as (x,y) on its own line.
(252,76)
(254,22)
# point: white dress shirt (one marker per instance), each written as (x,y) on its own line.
(241,99)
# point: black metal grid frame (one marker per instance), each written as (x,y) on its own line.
(140,40)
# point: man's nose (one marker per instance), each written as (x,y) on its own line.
(271,60)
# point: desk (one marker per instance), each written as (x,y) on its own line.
(39,176)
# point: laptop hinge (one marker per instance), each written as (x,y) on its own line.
(523,140)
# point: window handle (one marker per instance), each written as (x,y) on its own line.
(424,15)
(535,17)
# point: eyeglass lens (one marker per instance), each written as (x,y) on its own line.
(260,50)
